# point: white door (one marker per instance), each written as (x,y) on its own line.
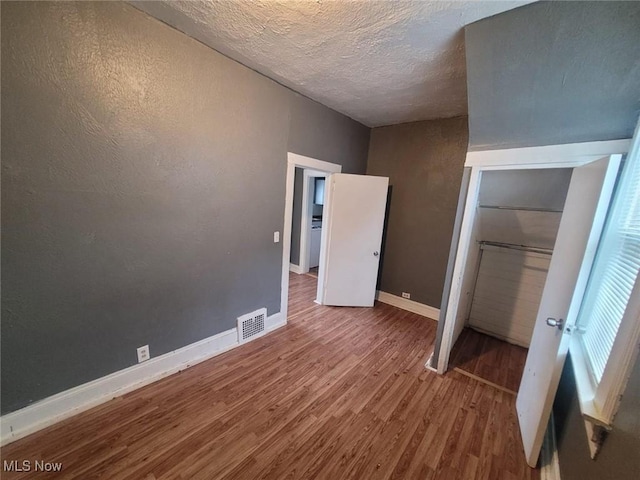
(580,228)
(352,236)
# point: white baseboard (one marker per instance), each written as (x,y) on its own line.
(275,321)
(415,307)
(295,268)
(65,404)
(549,461)
(429,364)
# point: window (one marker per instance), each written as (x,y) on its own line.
(614,271)
(605,346)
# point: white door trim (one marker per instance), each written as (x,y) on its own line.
(574,154)
(294,160)
(549,156)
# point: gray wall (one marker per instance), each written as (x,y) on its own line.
(424,162)
(143,177)
(562,72)
(554,72)
(324,134)
(619,458)
(297,216)
(544,188)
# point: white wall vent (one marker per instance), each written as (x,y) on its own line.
(252,325)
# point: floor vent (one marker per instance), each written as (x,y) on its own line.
(252,325)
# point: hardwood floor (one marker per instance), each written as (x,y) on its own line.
(302,293)
(492,360)
(337,393)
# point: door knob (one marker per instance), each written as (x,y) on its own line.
(552,322)
(375,254)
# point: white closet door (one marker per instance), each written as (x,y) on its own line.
(508,292)
(580,229)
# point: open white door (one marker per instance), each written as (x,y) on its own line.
(578,235)
(352,238)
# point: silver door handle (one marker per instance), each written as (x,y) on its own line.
(375,254)
(552,322)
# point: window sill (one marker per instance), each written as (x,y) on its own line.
(596,423)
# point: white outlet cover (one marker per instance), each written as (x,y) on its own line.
(406,295)
(276,237)
(143,353)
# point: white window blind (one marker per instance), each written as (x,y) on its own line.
(615,270)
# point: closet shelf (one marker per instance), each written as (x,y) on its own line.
(544,251)
(526,209)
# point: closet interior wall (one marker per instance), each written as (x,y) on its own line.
(518,215)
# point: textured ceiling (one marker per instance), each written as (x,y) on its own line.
(379,62)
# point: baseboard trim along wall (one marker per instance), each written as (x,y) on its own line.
(295,268)
(409,305)
(65,404)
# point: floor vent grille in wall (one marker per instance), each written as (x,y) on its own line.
(251,325)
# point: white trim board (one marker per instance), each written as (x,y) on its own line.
(56,408)
(420,308)
(564,155)
(295,268)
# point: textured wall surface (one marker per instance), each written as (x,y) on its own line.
(313,124)
(424,162)
(618,459)
(296,225)
(541,188)
(554,72)
(381,62)
(143,176)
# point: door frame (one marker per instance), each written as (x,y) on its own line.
(309,177)
(551,156)
(294,160)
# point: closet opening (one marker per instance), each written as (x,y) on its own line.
(517,217)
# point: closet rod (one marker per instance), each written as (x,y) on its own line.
(543,251)
(526,209)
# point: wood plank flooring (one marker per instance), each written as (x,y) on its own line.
(338,393)
(302,293)
(493,360)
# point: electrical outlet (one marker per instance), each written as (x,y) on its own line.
(406,295)
(276,237)
(143,354)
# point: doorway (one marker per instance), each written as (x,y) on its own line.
(595,166)
(465,252)
(517,219)
(313,168)
(351,234)
(306,229)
